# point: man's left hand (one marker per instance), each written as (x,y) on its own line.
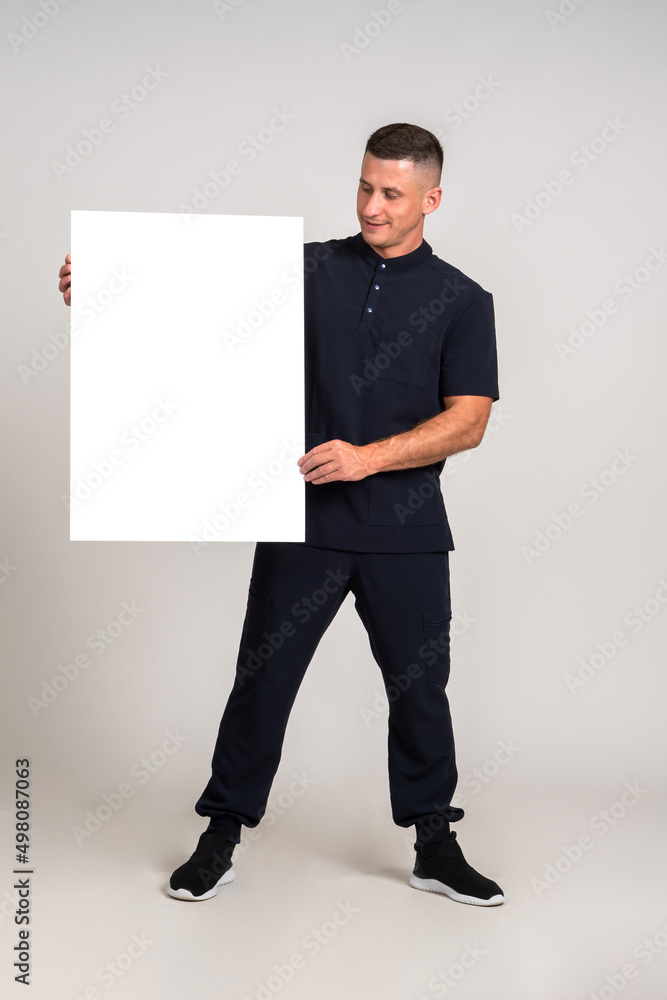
(335,460)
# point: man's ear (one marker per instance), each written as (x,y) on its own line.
(431,200)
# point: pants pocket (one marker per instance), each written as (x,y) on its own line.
(259,593)
(436,624)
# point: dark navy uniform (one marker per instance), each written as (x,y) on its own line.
(386,340)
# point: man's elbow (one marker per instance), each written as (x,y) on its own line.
(473,416)
(475,436)
(476,429)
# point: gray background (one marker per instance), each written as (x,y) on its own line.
(526,620)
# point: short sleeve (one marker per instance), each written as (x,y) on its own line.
(469,360)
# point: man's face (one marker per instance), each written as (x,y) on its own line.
(392,200)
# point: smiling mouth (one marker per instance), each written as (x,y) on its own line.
(374,225)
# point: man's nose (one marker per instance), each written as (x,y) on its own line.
(374,204)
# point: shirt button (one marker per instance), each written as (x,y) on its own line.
(383,266)
(369,310)
(377,288)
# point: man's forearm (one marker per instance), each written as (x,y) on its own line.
(434,439)
(460,426)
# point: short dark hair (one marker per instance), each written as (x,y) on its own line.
(401,141)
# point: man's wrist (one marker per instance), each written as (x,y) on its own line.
(377,459)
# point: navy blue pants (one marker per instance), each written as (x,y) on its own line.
(295,590)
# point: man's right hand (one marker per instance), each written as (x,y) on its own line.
(65,275)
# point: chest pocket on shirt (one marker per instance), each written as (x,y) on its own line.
(403,355)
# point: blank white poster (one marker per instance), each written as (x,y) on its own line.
(187,391)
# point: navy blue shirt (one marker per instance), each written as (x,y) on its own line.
(386,340)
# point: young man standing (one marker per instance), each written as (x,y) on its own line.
(401,373)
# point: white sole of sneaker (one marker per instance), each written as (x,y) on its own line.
(187,895)
(433,885)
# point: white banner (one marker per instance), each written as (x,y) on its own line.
(187,395)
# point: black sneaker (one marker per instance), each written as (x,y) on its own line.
(209,867)
(447,871)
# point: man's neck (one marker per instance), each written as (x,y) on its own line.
(400,249)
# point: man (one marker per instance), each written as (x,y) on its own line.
(400,373)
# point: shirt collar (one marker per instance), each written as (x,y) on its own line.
(415,257)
